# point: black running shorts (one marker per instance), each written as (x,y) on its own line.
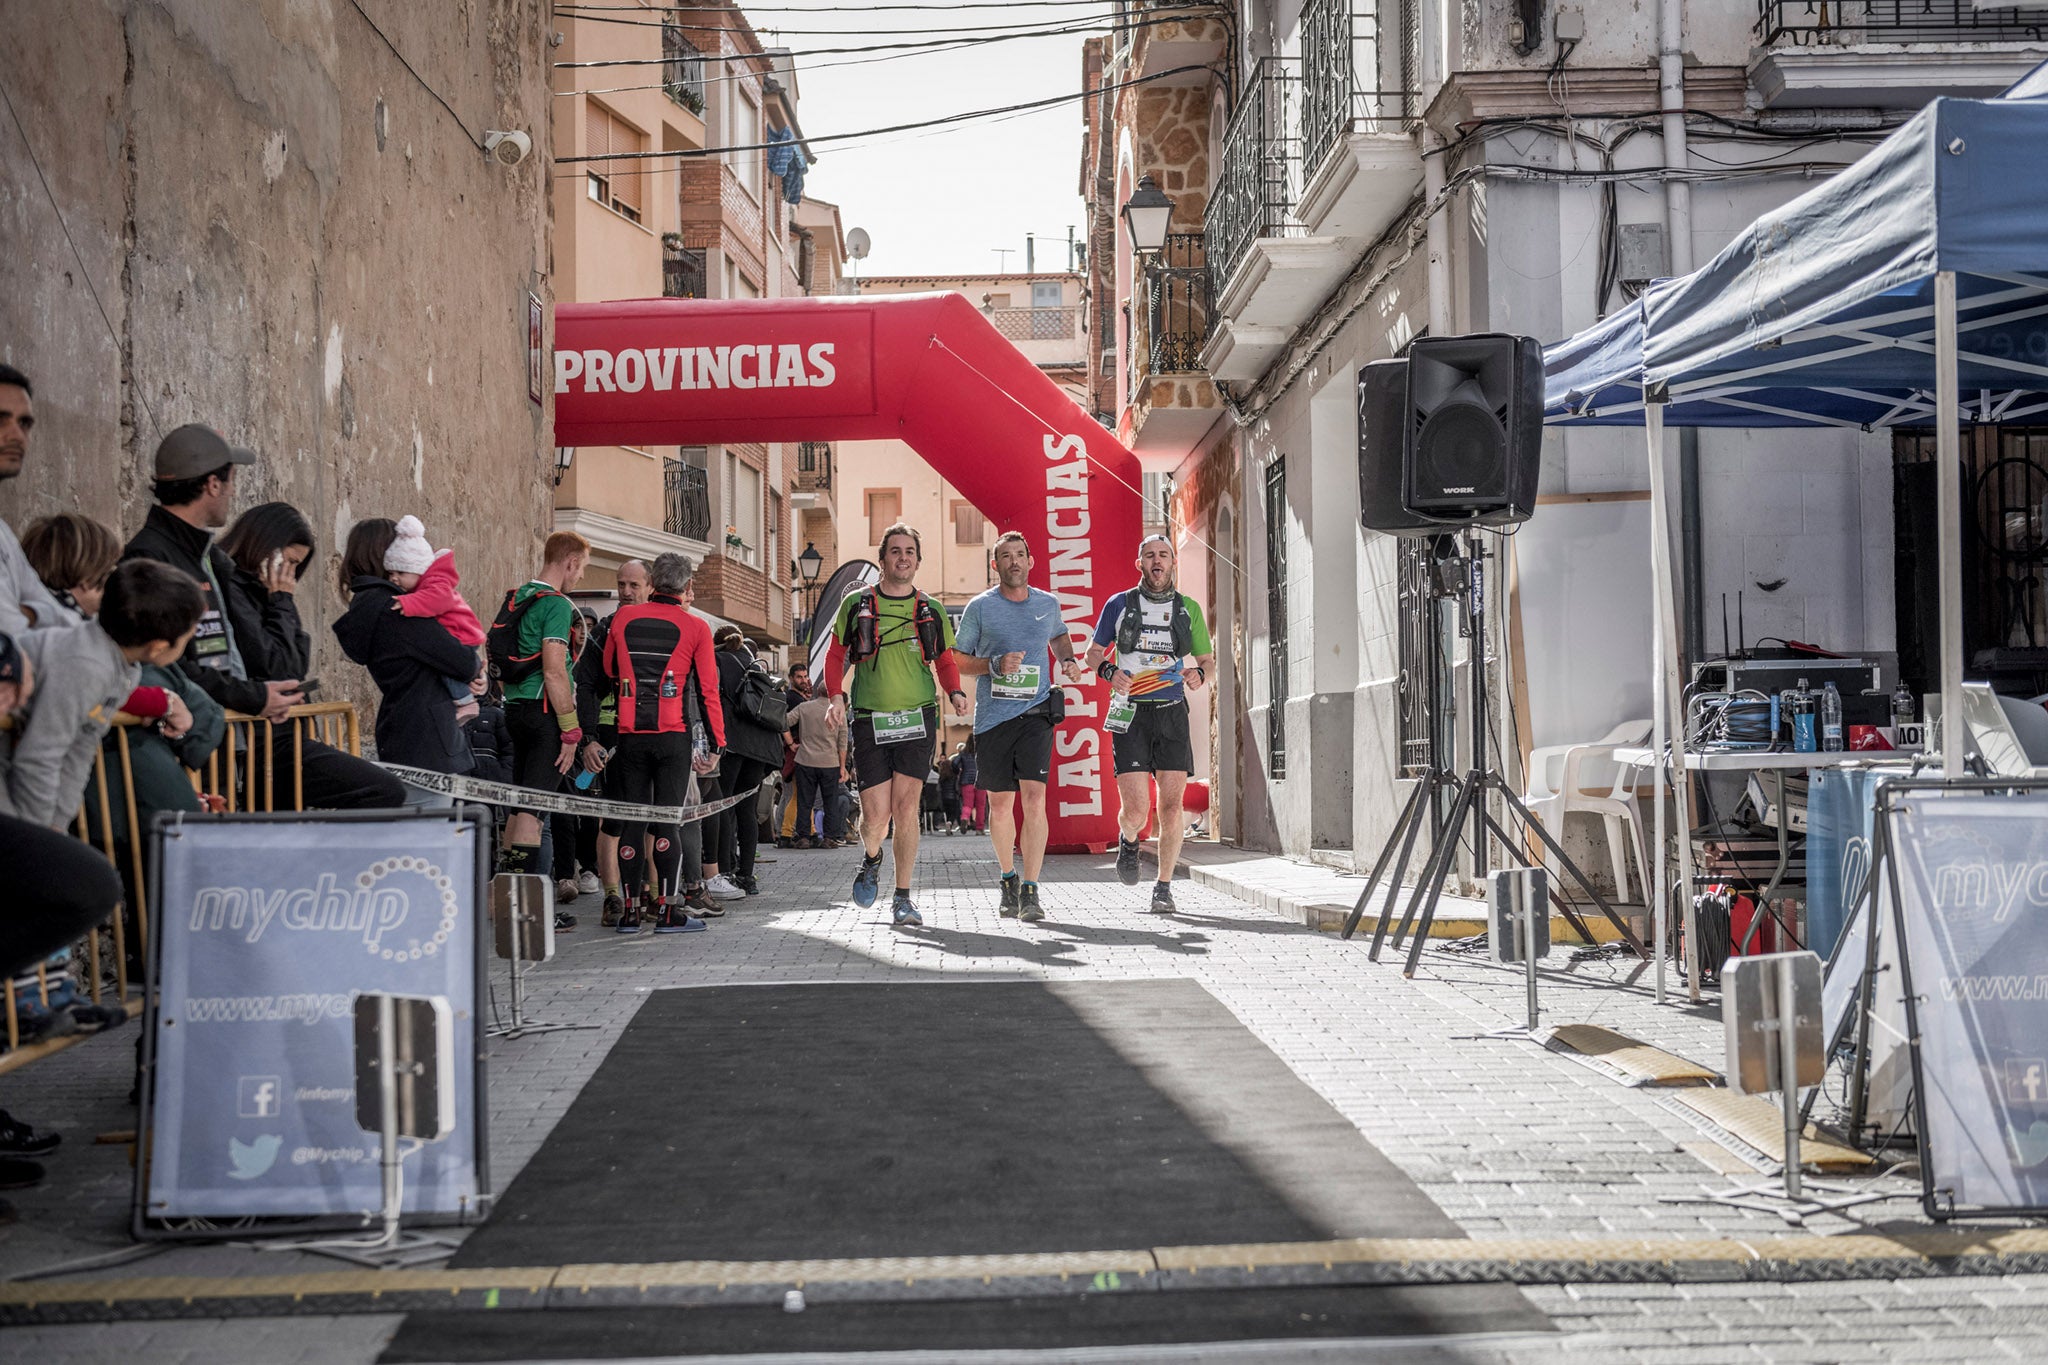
(874,764)
(1018,750)
(1157,741)
(536,744)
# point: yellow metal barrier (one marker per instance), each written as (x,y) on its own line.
(238,774)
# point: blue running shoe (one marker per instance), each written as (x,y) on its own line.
(904,912)
(866,881)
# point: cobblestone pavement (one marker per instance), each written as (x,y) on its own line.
(1511,1140)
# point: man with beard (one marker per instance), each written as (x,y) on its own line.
(1155,628)
(1004,636)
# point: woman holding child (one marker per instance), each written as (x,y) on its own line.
(409,626)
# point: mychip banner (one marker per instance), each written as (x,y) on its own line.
(1971,872)
(266,929)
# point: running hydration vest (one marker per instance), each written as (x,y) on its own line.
(1132,621)
(864,627)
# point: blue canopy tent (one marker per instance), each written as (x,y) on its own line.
(1909,290)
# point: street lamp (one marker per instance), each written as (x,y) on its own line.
(1147,215)
(563,456)
(808,563)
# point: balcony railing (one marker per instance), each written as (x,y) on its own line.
(1260,175)
(1848,22)
(682,69)
(1355,74)
(814,464)
(1036,324)
(682,273)
(686,500)
(1179,317)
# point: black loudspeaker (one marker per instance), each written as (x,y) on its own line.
(1474,430)
(1382,426)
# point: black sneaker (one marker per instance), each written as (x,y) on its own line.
(18,1139)
(1127,861)
(866,881)
(629,919)
(1028,910)
(747,884)
(1010,901)
(17,1174)
(1162,899)
(610,918)
(564,921)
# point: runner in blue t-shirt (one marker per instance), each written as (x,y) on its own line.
(1003,640)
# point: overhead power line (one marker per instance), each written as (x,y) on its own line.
(1027,105)
(857,9)
(964,26)
(976,38)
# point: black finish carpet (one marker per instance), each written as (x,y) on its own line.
(955,1118)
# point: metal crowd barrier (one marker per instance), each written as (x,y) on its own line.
(238,773)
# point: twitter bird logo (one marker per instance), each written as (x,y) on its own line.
(251,1159)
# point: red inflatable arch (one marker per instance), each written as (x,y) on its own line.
(927,369)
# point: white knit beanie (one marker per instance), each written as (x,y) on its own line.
(410,553)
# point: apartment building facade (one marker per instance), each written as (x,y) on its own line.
(1371,171)
(722,219)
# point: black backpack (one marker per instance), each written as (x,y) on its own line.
(761,700)
(501,642)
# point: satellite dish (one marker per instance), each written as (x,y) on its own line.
(857,244)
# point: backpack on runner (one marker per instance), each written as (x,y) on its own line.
(501,642)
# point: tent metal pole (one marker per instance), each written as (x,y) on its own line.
(1669,720)
(1949,506)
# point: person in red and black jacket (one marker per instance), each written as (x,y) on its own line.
(654,651)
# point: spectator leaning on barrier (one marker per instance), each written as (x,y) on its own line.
(195,471)
(268,549)
(412,659)
(146,617)
(25,604)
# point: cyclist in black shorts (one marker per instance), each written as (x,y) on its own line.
(1154,629)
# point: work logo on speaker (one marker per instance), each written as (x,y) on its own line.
(269,931)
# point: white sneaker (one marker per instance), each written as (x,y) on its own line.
(721,887)
(587,883)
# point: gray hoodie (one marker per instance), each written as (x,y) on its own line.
(19,588)
(81,679)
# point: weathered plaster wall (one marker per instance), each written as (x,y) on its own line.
(257,218)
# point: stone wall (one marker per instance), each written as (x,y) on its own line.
(250,213)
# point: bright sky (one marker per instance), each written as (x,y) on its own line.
(941,201)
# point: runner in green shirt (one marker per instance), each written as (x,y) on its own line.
(895,638)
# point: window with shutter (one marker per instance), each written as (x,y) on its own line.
(615,184)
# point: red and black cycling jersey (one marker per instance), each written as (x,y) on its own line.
(654,650)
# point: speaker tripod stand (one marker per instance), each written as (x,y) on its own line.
(1464,577)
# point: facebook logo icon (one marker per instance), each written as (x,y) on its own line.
(2026,1080)
(259,1098)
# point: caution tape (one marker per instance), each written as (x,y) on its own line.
(558,803)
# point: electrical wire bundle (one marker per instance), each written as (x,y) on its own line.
(1725,720)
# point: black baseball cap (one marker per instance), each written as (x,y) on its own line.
(193,450)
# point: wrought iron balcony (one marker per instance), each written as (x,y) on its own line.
(1178,323)
(814,465)
(1356,75)
(682,69)
(1259,177)
(686,500)
(1036,324)
(682,273)
(1851,22)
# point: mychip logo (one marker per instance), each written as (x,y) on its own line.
(403,909)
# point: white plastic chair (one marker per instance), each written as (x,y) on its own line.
(1559,778)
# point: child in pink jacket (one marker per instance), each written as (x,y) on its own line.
(428,585)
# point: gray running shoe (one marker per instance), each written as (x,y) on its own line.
(1127,862)
(1028,911)
(1009,905)
(1162,899)
(904,913)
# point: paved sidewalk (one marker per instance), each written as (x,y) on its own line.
(1510,1139)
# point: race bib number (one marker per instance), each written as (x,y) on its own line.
(1121,714)
(1019,686)
(898,727)
(210,641)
